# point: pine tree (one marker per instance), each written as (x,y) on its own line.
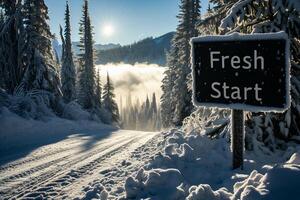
(147,109)
(210,24)
(167,102)
(68,72)
(2,17)
(153,105)
(12,43)
(263,17)
(41,73)
(181,91)
(55,44)
(196,16)
(86,94)
(98,90)
(109,103)
(2,67)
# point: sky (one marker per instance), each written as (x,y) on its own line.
(119,21)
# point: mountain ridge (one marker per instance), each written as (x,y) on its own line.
(151,50)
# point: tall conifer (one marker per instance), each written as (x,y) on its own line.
(87,73)
(41,72)
(68,72)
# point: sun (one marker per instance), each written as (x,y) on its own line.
(108,30)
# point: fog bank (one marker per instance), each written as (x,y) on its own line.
(138,80)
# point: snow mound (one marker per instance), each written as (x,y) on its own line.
(156,183)
(73,111)
(204,192)
(195,152)
(295,159)
(184,161)
(278,183)
(95,192)
(194,166)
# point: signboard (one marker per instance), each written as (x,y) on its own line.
(242,72)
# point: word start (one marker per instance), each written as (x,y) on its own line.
(222,89)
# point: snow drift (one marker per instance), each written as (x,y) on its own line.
(17,132)
(195,166)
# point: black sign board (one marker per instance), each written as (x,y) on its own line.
(243,72)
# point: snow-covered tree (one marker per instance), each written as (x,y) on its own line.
(98,90)
(167,102)
(41,72)
(86,83)
(109,103)
(2,66)
(136,116)
(68,72)
(12,43)
(147,108)
(55,46)
(2,16)
(153,107)
(249,16)
(211,20)
(179,66)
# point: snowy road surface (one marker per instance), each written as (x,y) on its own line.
(76,166)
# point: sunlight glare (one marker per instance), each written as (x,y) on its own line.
(108,30)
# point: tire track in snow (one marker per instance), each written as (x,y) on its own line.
(29,170)
(33,157)
(49,173)
(45,184)
(108,166)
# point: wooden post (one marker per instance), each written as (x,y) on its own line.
(237,138)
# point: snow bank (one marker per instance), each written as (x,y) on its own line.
(156,183)
(184,161)
(204,192)
(194,166)
(17,132)
(195,153)
(280,182)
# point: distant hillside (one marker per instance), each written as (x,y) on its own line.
(149,50)
(98,47)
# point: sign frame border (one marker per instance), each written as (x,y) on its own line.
(245,37)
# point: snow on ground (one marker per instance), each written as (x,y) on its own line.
(62,159)
(18,134)
(195,167)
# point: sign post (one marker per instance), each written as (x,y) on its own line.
(237,138)
(241,73)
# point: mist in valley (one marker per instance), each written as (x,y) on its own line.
(138,92)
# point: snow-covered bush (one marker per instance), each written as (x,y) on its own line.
(33,104)
(36,105)
(3,98)
(212,121)
(74,111)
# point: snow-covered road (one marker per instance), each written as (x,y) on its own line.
(76,167)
